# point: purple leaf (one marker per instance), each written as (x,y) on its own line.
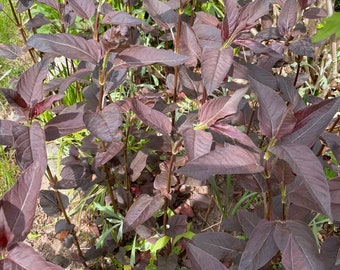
(188,45)
(221,245)
(233,133)
(51,3)
(250,13)
(332,140)
(83,8)
(162,14)
(10,51)
(73,176)
(208,36)
(151,117)
(6,135)
(215,66)
(287,18)
(76,76)
(190,82)
(178,225)
(258,47)
(297,244)
(138,164)
(111,151)
(306,165)
(248,221)
(202,260)
(30,84)
(312,121)
(45,104)
(260,247)
(70,46)
(141,210)
(143,56)
(196,142)
(6,235)
(49,202)
(37,21)
(105,124)
(314,13)
(24,5)
(329,252)
(167,262)
(219,108)
(230,19)
(276,120)
(29,143)
(161,181)
(23,257)
(20,202)
(121,18)
(303,47)
(68,121)
(230,159)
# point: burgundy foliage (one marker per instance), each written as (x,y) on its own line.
(249,123)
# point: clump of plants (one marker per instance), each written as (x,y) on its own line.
(156,99)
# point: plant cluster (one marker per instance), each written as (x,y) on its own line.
(152,98)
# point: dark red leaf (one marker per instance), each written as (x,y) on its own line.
(29,143)
(70,46)
(250,13)
(138,164)
(73,176)
(105,124)
(258,47)
(178,225)
(45,104)
(219,108)
(20,202)
(288,16)
(230,159)
(24,257)
(151,117)
(190,82)
(306,165)
(332,140)
(83,8)
(76,76)
(6,235)
(329,253)
(37,21)
(208,36)
(314,13)
(197,142)
(303,47)
(215,64)
(162,14)
(6,135)
(260,247)
(312,121)
(276,120)
(49,202)
(141,210)
(297,244)
(161,181)
(30,84)
(111,151)
(230,19)
(143,56)
(121,18)
(221,245)
(188,45)
(202,260)
(10,51)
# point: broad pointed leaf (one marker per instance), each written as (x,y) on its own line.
(188,45)
(141,210)
(219,108)
(143,56)
(70,46)
(248,221)
(221,245)
(111,151)
(197,142)
(303,47)
(260,247)
(333,142)
(29,143)
(10,51)
(190,82)
(121,18)
(230,159)
(49,202)
(250,13)
(216,63)
(138,164)
(202,260)
(30,84)
(20,202)
(276,120)
(105,124)
(76,76)
(297,244)
(74,176)
(83,8)
(45,104)
(24,257)
(312,121)
(162,14)
(37,21)
(230,19)
(6,135)
(288,16)
(6,235)
(50,3)
(306,165)
(208,36)
(151,117)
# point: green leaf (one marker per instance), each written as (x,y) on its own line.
(161,242)
(330,27)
